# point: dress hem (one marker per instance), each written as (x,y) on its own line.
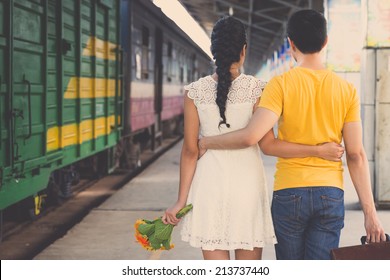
(235,246)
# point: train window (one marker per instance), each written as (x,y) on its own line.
(169,66)
(169,49)
(194,67)
(196,75)
(194,61)
(145,53)
(181,74)
(180,65)
(138,66)
(189,80)
(175,64)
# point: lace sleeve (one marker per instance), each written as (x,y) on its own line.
(257,89)
(192,90)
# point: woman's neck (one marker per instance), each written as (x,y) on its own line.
(235,71)
(234,74)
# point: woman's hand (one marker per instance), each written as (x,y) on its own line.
(202,150)
(169,216)
(331,151)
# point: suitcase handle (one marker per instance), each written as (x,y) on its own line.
(363,240)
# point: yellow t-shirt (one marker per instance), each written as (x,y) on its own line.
(313,106)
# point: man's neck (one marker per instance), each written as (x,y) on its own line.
(310,61)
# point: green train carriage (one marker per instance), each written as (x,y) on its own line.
(60,90)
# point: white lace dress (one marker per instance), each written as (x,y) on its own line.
(229,195)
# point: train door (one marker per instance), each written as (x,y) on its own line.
(158,78)
(65,102)
(26,82)
(87,78)
(85,99)
(5,141)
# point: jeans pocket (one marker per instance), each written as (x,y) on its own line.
(333,212)
(286,207)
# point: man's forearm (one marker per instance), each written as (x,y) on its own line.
(261,122)
(232,140)
(282,149)
(274,147)
(360,175)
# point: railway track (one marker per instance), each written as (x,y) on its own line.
(15,220)
(25,239)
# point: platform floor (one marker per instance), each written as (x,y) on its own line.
(107,232)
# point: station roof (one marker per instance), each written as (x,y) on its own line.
(265,20)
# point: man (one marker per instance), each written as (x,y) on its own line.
(313,106)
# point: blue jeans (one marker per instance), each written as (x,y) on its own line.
(307,222)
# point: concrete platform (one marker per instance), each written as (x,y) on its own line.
(107,232)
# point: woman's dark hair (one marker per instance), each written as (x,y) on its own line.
(307,29)
(227,40)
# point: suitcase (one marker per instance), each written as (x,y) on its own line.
(370,251)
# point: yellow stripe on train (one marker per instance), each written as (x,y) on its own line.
(73,134)
(100,48)
(90,88)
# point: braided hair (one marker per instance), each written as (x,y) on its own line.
(227,40)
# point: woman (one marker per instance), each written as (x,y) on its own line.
(226,187)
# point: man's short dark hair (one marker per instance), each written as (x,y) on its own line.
(307,29)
